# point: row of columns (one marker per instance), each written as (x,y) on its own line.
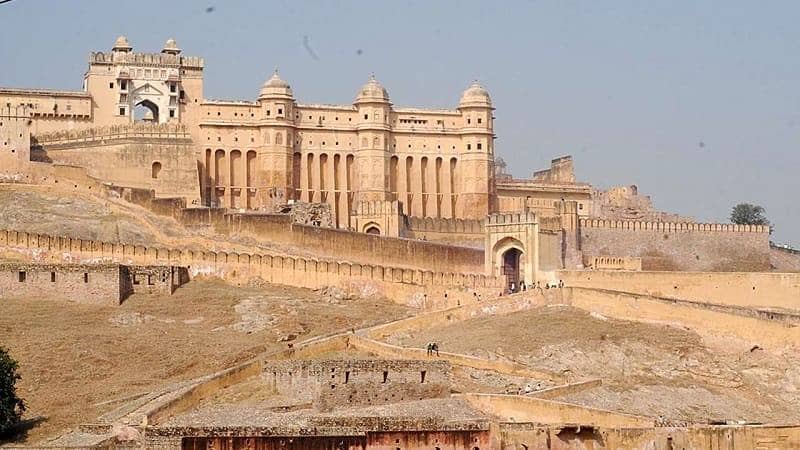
(328,178)
(427,186)
(231,171)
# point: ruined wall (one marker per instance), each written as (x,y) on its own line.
(759,290)
(94,284)
(339,383)
(678,246)
(161,280)
(625,203)
(407,286)
(161,158)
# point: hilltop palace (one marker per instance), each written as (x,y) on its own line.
(375,168)
(371,202)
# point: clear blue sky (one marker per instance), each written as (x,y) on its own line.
(630,88)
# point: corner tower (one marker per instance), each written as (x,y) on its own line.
(373,137)
(477,196)
(276,154)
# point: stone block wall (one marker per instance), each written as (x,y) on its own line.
(678,246)
(83,283)
(335,383)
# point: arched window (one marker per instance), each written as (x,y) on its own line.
(156,169)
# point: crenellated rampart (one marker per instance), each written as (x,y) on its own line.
(409,286)
(677,246)
(672,226)
(91,136)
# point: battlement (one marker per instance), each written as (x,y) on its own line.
(146,59)
(512,218)
(43,92)
(673,226)
(442,225)
(136,130)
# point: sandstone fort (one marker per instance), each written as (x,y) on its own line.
(267,274)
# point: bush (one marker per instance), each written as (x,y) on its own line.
(11,406)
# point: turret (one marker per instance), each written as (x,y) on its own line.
(121,45)
(372,158)
(171,47)
(275,170)
(478,196)
(276,98)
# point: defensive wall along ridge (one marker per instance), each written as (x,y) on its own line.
(408,286)
(334,243)
(774,335)
(761,290)
(672,246)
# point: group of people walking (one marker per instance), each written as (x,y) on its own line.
(513,287)
(432,348)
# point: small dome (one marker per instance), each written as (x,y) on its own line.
(475,96)
(121,44)
(171,47)
(372,92)
(276,86)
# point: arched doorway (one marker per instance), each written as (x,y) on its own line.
(141,110)
(373,230)
(511,268)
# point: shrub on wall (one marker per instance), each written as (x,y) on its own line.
(11,406)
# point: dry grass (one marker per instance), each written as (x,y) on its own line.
(74,356)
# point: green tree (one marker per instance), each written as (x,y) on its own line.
(11,406)
(749,214)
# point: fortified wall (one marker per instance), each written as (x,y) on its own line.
(334,243)
(408,286)
(144,156)
(678,246)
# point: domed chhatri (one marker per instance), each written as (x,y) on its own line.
(372,91)
(171,47)
(121,45)
(275,86)
(475,96)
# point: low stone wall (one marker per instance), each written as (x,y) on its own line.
(384,350)
(748,289)
(768,334)
(528,409)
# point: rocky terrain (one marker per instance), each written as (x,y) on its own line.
(647,369)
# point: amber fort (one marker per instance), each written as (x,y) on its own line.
(269,273)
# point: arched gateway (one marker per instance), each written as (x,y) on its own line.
(511,248)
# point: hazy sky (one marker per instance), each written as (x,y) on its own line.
(697,103)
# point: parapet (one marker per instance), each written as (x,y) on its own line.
(157,59)
(673,226)
(136,130)
(512,218)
